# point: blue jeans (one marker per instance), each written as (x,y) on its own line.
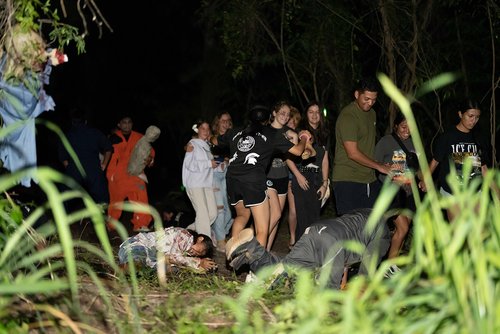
(224,220)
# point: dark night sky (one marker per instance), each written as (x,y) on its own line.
(146,68)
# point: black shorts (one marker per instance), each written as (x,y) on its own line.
(279,185)
(403,201)
(250,192)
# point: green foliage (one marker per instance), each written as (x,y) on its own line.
(30,13)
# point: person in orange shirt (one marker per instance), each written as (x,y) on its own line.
(121,184)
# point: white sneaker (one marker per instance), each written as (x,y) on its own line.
(251,277)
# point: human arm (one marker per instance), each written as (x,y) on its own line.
(324,173)
(176,244)
(301,179)
(196,159)
(353,153)
(432,167)
(298,148)
(105,159)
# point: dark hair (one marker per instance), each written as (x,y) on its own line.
(320,134)
(198,123)
(258,115)
(369,84)
(207,242)
(277,106)
(400,118)
(122,117)
(78,115)
(467,104)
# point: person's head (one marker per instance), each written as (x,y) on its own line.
(295,118)
(125,125)
(78,116)
(202,129)
(167,212)
(400,127)
(259,114)
(313,114)
(315,122)
(280,114)
(221,123)
(469,112)
(366,92)
(203,245)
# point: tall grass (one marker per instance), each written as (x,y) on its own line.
(449,282)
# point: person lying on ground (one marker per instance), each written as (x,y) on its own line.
(182,248)
(321,245)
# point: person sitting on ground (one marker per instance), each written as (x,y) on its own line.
(322,244)
(182,248)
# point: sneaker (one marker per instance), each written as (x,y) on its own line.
(393,269)
(251,277)
(142,229)
(243,237)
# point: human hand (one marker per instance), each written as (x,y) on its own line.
(302,181)
(214,163)
(384,168)
(422,186)
(208,264)
(305,134)
(321,192)
(292,136)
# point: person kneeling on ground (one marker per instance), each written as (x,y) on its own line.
(322,244)
(182,248)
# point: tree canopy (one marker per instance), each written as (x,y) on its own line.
(317,49)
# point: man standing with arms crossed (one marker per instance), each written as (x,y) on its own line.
(354,182)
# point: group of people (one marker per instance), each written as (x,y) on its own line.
(253,168)
(113,166)
(360,167)
(281,153)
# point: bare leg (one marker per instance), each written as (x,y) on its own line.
(292,214)
(260,215)
(402,224)
(276,207)
(241,219)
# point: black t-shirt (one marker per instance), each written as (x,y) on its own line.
(455,147)
(251,154)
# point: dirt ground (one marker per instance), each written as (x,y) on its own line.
(85,231)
